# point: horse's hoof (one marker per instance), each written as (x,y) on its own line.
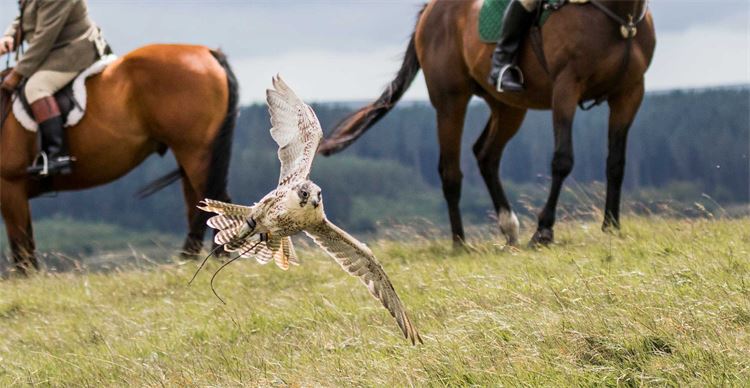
(221,253)
(611,227)
(189,256)
(542,238)
(25,266)
(509,227)
(511,240)
(459,246)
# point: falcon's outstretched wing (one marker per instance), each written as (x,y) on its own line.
(357,260)
(296,130)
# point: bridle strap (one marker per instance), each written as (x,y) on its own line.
(598,4)
(627,24)
(608,12)
(6,96)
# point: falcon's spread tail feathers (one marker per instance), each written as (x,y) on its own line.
(231,224)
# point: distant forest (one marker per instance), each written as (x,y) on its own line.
(682,144)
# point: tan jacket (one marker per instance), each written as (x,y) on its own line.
(60,36)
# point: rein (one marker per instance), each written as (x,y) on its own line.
(6,98)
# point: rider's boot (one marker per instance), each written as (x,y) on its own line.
(54,158)
(516,22)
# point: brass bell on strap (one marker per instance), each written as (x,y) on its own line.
(630,30)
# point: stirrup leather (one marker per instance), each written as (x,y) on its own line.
(502,72)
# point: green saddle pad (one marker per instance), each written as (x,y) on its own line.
(491,19)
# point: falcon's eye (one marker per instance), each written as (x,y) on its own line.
(305,194)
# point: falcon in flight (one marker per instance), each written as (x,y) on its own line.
(264,230)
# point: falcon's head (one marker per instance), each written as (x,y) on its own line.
(308,194)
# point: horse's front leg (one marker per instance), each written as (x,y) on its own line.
(564,101)
(451,111)
(622,110)
(14,202)
(502,125)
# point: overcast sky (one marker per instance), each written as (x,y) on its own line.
(348,50)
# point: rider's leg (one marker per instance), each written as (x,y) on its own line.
(39,90)
(517,19)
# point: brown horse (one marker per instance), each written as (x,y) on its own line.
(587,57)
(183,98)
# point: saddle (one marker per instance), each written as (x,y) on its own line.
(71,99)
(491,16)
(65,99)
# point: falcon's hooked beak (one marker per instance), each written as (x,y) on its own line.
(315,202)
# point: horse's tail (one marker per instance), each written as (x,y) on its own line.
(356,124)
(221,150)
(159,183)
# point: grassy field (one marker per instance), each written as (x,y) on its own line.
(665,303)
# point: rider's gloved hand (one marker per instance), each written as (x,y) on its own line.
(6,44)
(11,81)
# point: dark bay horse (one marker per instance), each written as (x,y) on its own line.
(587,57)
(158,97)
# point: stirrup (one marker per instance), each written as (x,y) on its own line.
(502,72)
(45,163)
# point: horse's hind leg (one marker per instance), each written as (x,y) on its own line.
(194,183)
(194,169)
(197,221)
(622,109)
(451,111)
(17,216)
(564,101)
(194,240)
(488,149)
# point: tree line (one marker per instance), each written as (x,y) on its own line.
(682,144)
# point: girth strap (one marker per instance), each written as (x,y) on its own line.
(536,44)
